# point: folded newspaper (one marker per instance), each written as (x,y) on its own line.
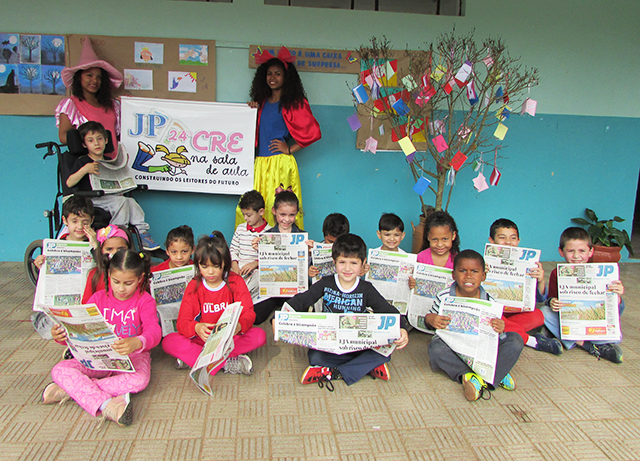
(167,288)
(337,333)
(430,280)
(470,334)
(508,280)
(63,276)
(115,176)
(283,264)
(90,337)
(389,273)
(217,348)
(590,310)
(321,258)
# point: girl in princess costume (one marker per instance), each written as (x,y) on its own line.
(285,125)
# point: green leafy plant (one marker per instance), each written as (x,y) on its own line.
(602,231)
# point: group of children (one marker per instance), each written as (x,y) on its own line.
(229,274)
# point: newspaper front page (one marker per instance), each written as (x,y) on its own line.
(283,262)
(430,280)
(337,333)
(470,334)
(508,280)
(389,273)
(590,310)
(217,348)
(167,288)
(90,337)
(63,276)
(115,176)
(322,260)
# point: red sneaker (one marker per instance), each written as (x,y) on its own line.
(315,374)
(380,372)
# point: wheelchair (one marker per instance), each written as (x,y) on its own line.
(66,161)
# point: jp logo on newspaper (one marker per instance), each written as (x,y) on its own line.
(190,146)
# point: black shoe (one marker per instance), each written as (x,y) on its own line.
(610,352)
(551,345)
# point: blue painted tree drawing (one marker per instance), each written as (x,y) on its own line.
(9,53)
(52,50)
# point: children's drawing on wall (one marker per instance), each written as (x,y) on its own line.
(148,53)
(176,161)
(10,48)
(30,49)
(52,80)
(184,82)
(197,55)
(138,79)
(8,78)
(52,50)
(30,79)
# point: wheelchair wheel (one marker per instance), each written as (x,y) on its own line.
(33,251)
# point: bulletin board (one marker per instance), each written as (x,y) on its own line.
(371,124)
(120,52)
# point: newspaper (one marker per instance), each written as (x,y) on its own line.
(167,288)
(337,333)
(283,262)
(63,276)
(322,260)
(470,334)
(508,280)
(114,176)
(389,273)
(430,280)
(590,311)
(217,348)
(90,337)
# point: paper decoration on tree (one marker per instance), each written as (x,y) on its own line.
(420,187)
(361,94)
(448,87)
(499,94)
(389,75)
(501,131)
(409,83)
(458,160)
(451,177)
(480,183)
(410,157)
(375,90)
(471,93)
(381,130)
(503,113)
(488,61)
(400,107)
(463,132)
(407,146)
(424,95)
(463,74)
(440,143)
(354,122)
(438,72)
(475,165)
(371,145)
(437,127)
(495,177)
(529,107)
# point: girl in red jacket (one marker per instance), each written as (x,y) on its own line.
(212,289)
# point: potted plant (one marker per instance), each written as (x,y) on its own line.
(607,239)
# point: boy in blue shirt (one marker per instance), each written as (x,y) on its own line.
(345,292)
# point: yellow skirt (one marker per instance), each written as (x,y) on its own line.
(270,173)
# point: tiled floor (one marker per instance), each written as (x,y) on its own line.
(566,407)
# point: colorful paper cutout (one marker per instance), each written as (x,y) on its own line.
(501,131)
(475,165)
(398,132)
(400,107)
(438,72)
(409,158)
(463,132)
(371,145)
(440,143)
(409,83)
(488,61)
(463,73)
(451,177)
(480,183)
(458,160)
(381,130)
(437,127)
(529,107)
(495,177)
(425,94)
(471,93)
(391,77)
(354,122)
(361,94)
(448,87)
(407,146)
(420,187)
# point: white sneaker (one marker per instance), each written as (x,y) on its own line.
(180,365)
(238,365)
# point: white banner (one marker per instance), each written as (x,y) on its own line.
(190,146)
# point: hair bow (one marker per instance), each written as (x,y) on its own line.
(284,55)
(110,231)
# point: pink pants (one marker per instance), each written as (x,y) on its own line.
(188,349)
(90,388)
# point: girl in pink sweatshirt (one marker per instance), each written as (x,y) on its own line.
(132,312)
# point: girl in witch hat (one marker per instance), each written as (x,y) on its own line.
(285,126)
